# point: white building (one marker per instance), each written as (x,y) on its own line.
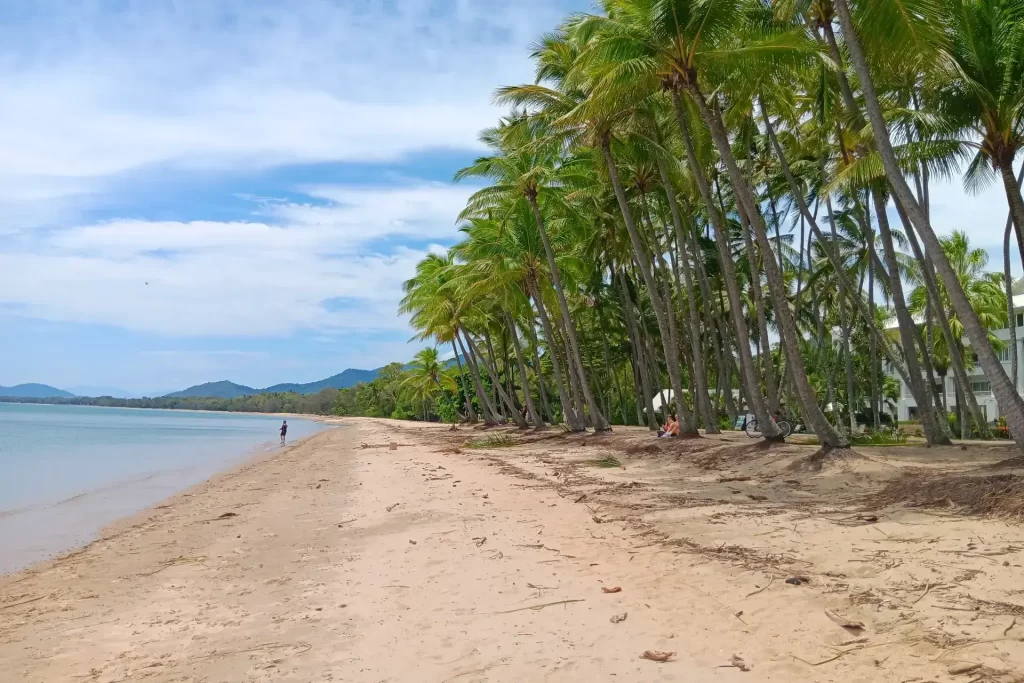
(907,407)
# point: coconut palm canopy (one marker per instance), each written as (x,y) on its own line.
(731,200)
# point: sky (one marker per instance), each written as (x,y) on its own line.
(193,191)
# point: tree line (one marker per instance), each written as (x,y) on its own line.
(731,199)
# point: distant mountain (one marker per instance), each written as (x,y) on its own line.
(93,391)
(343,380)
(225,389)
(34,391)
(222,389)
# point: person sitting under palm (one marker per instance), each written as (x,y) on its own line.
(671,427)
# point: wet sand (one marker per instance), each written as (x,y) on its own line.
(340,559)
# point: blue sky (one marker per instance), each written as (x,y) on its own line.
(195,190)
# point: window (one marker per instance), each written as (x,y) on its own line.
(1004,355)
(911,412)
(981,388)
(1020,320)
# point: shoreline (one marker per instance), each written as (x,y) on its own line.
(84,537)
(339,559)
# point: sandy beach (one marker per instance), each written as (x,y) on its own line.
(504,556)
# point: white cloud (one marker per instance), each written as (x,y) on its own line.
(214,278)
(93,91)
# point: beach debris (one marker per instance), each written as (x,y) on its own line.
(540,588)
(771,577)
(540,607)
(756,496)
(319,485)
(581,498)
(724,480)
(848,624)
(656,656)
(480,540)
(606,589)
(597,519)
(393,446)
(412,542)
(389,508)
(347,521)
(23,602)
(619,618)
(227,515)
(736,663)
(961,669)
(797,580)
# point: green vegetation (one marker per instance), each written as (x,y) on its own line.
(880,439)
(493,441)
(687,181)
(607,462)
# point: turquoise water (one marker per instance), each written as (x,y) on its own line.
(67,471)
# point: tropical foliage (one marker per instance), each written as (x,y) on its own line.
(729,200)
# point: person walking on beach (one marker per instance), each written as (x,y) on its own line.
(284,430)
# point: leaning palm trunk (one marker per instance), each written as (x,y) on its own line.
(687,423)
(490,416)
(535,417)
(571,419)
(748,375)
(1010,314)
(600,424)
(1008,282)
(640,362)
(906,327)
(790,338)
(953,344)
(771,388)
(700,379)
(844,331)
(470,413)
(495,380)
(538,373)
(1010,402)
(829,247)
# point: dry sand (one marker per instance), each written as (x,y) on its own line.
(339,559)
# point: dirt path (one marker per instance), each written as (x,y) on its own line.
(333,562)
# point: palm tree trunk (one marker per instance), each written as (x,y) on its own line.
(496,382)
(600,424)
(687,423)
(953,344)
(844,327)
(531,410)
(644,391)
(490,417)
(1012,187)
(470,413)
(571,419)
(907,327)
(1009,400)
(790,338)
(1008,282)
(609,369)
(873,351)
(700,378)
(748,374)
(771,389)
(539,374)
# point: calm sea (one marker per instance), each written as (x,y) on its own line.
(67,471)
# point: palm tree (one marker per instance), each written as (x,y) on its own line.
(985,292)
(425,378)
(926,43)
(523,164)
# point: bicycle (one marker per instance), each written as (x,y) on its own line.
(753,432)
